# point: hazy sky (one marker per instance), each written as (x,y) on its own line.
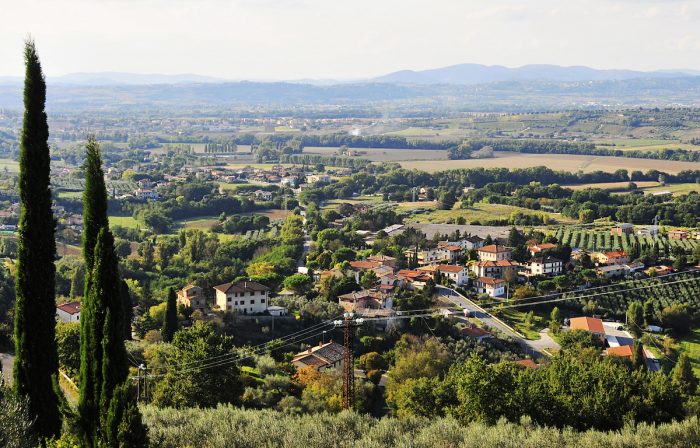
(291,39)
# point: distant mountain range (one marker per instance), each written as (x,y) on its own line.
(470,74)
(461,74)
(465,87)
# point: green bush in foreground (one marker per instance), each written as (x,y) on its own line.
(227,426)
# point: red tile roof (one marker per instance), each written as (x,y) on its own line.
(542,246)
(364,264)
(242,286)
(70,308)
(615,254)
(474,332)
(494,249)
(450,268)
(490,281)
(624,351)
(587,323)
(529,363)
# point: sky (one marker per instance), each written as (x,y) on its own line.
(345,39)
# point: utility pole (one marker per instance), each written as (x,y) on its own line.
(348,323)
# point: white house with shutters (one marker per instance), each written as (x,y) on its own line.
(244,297)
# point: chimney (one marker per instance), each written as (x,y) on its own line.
(308,350)
(320,343)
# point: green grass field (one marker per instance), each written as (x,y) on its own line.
(124,221)
(70,194)
(516,319)
(677,189)
(691,346)
(481,212)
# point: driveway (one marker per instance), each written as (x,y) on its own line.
(545,342)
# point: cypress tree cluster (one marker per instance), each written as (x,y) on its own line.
(104,414)
(36,361)
(170,318)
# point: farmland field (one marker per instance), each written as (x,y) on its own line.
(592,240)
(563,162)
(613,185)
(201,223)
(384,154)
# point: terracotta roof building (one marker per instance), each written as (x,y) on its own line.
(591,324)
(322,356)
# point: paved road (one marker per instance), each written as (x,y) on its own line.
(6,362)
(534,348)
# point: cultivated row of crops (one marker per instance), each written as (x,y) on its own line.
(591,240)
(613,300)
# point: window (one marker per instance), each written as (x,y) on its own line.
(252,302)
(262,300)
(229,298)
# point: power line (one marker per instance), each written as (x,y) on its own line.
(225,362)
(256,347)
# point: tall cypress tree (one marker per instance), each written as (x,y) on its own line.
(36,362)
(170,318)
(94,204)
(106,281)
(93,310)
(128,309)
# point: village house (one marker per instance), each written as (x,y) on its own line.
(425,257)
(412,279)
(614,257)
(494,287)
(623,351)
(493,252)
(494,269)
(547,266)
(366,299)
(537,249)
(384,260)
(457,275)
(612,271)
(262,195)
(275,310)
(192,296)
(590,324)
(451,251)
(68,312)
(475,332)
(146,194)
(622,229)
(656,271)
(314,178)
(245,297)
(321,357)
(472,242)
(678,235)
